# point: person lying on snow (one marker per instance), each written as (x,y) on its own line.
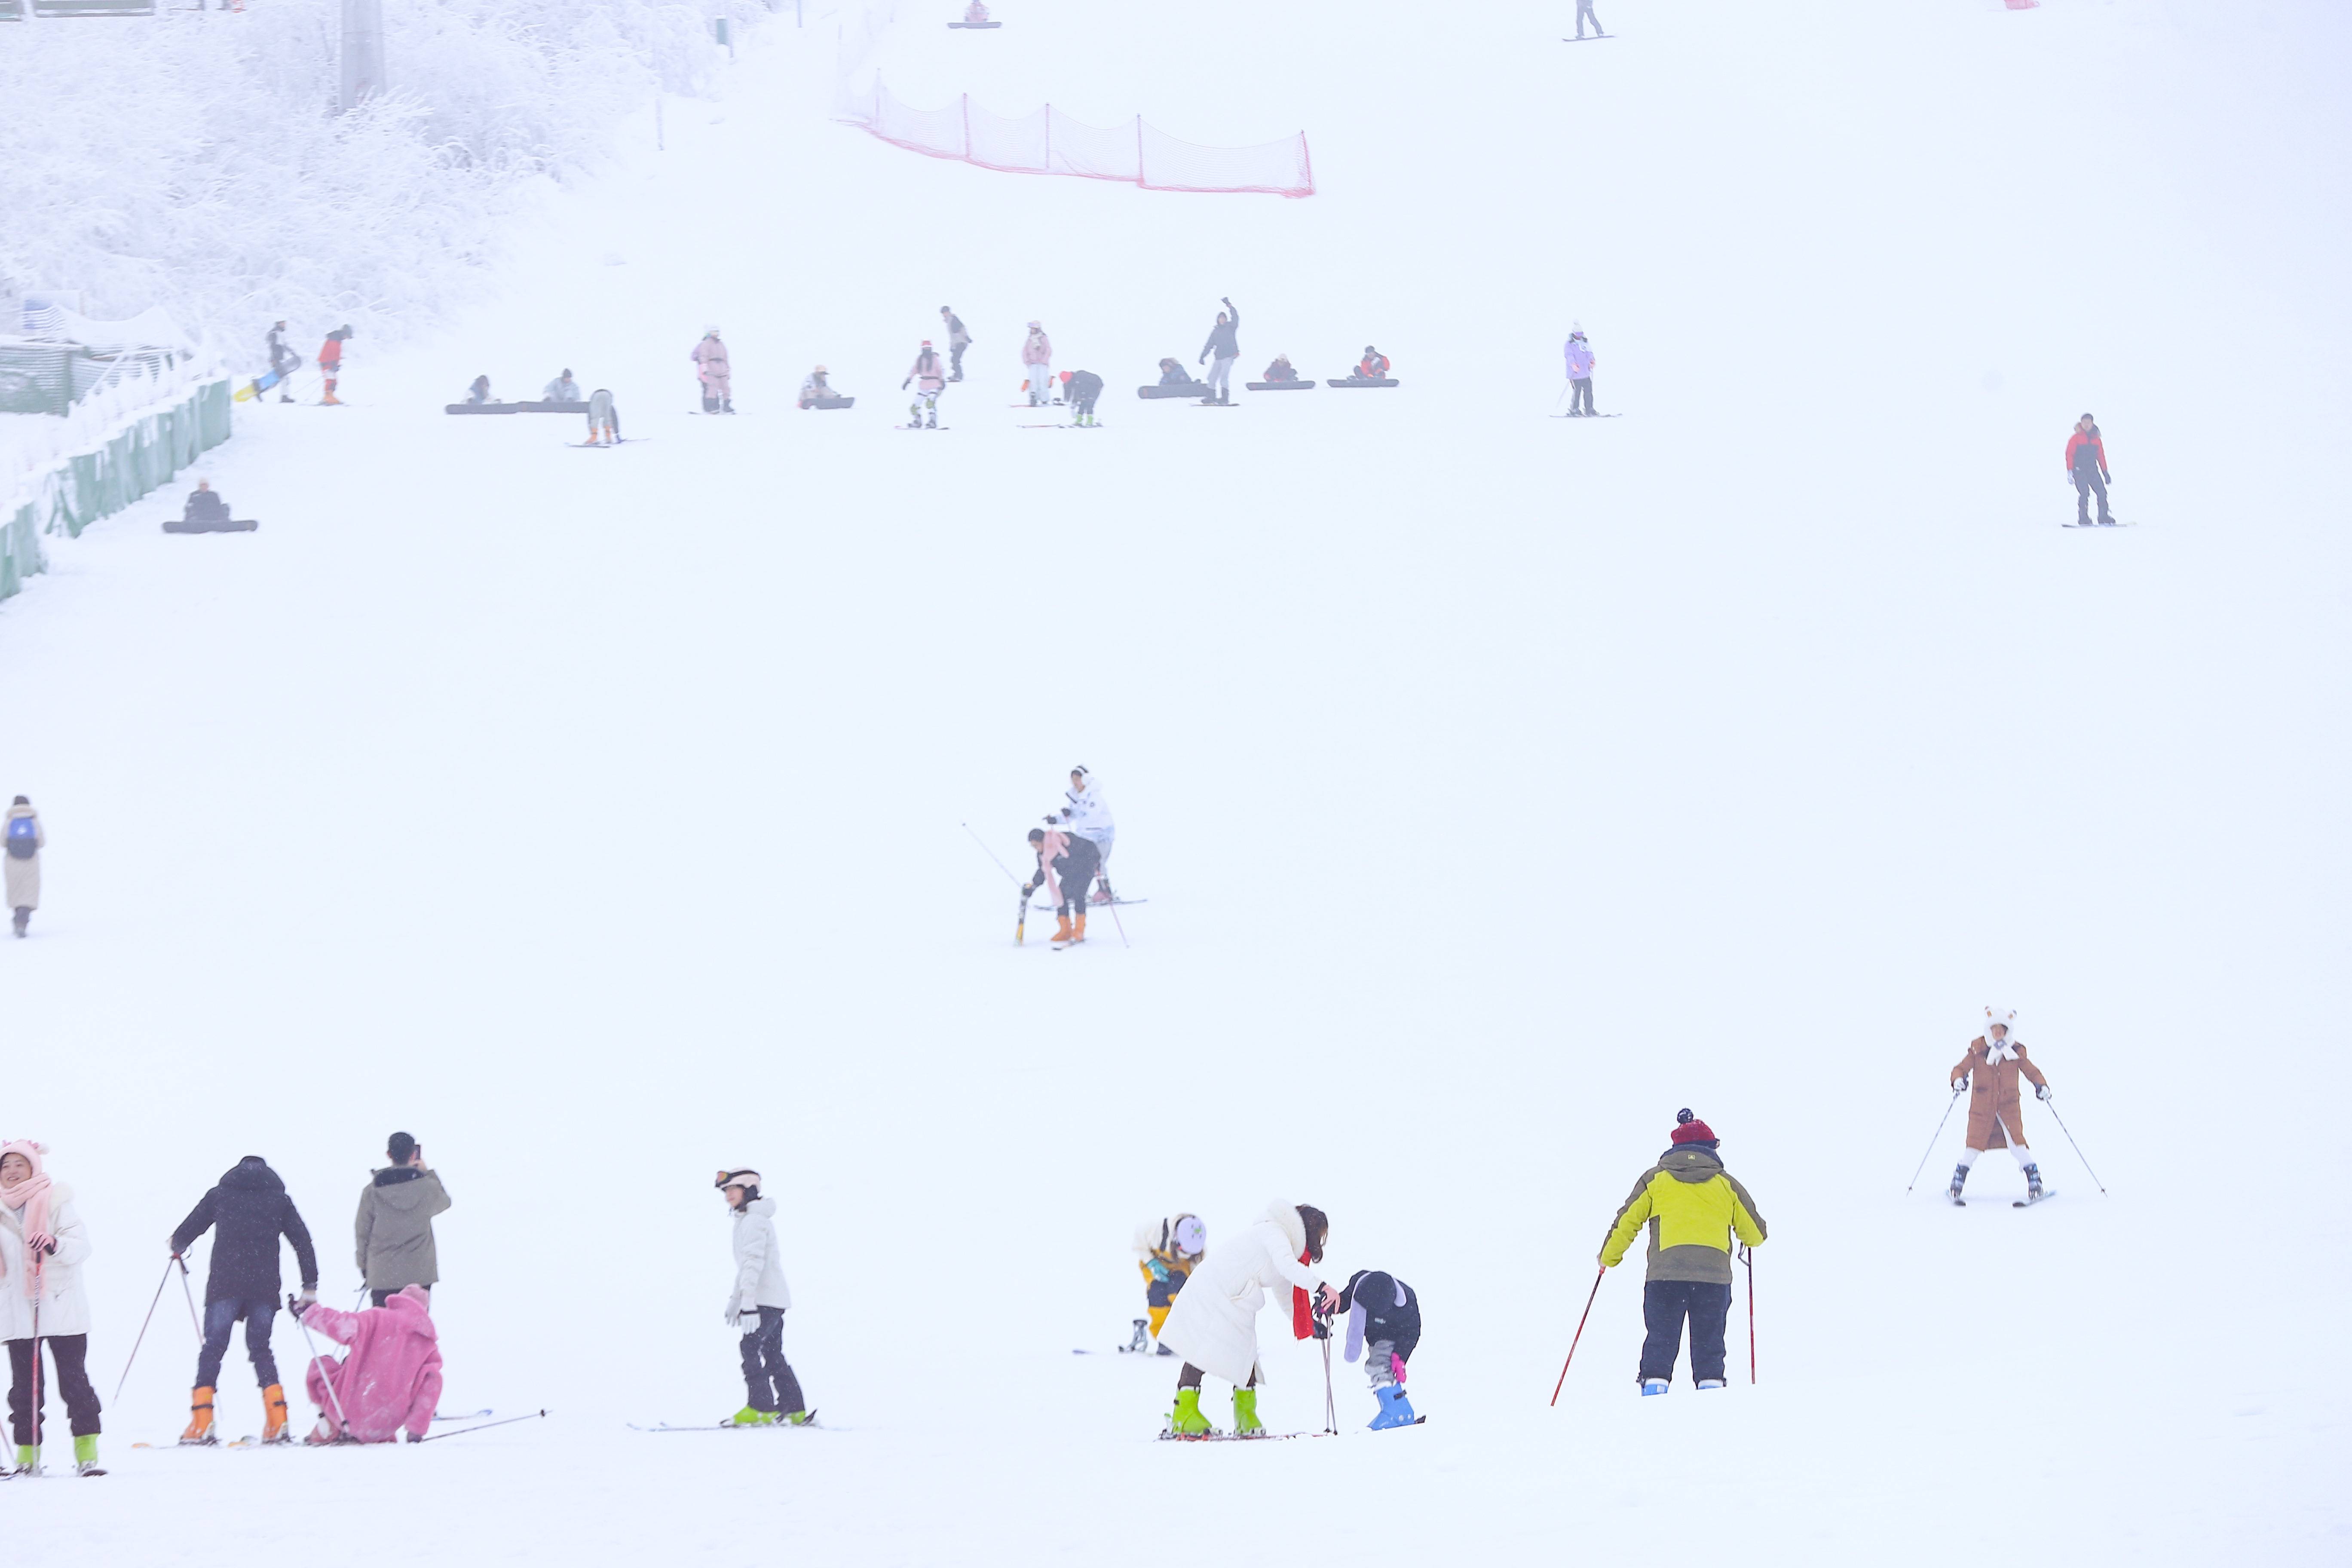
(1280,370)
(1373,366)
(391,1378)
(1174,375)
(1384,1326)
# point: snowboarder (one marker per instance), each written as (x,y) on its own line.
(394,1227)
(815,386)
(975,12)
(1214,1327)
(1037,363)
(1167,1250)
(710,357)
(1280,370)
(2086,465)
(480,391)
(924,412)
(1087,815)
(1988,1070)
(603,419)
(1065,864)
(1224,343)
(26,838)
(250,1206)
(1579,373)
(563,389)
(756,1308)
(1081,390)
(1383,1325)
(1584,11)
(1174,375)
(391,1378)
(1373,366)
(205,508)
(1693,1207)
(42,1245)
(958,340)
(330,364)
(283,361)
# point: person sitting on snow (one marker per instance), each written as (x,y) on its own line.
(206,507)
(1373,366)
(563,389)
(1174,375)
(1384,1320)
(1280,370)
(975,12)
(815,386)
(391,1378)
(480,391)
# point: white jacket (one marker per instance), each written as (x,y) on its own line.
(1213,1324)
(64,1309)
(759,1266)
(1086,815)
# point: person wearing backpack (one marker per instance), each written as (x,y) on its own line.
(26,841)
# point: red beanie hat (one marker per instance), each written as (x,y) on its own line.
(1689,1128)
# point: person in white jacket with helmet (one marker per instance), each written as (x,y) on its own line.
(1086,815)
(1214,1323)
(42,1245)
(756,1307)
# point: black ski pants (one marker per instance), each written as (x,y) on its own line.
(767,1377)
(1579,394)
(66,1353)
(1076,870)
(381,1296)
(220,1318)
(2086,481)
(1666,1305)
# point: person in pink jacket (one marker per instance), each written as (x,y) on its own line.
(1037,359)
(390,1379)
(710,367)
(929,378)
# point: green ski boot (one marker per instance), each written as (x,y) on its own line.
(746,1416)
(28,1459)
(1245,1421)
(1186,1421)
(796,1417)
(85,1454)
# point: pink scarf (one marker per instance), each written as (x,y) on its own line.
(31,1195)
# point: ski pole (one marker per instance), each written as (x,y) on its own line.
(989,853)
(1597,1273)
(483,1427)
(2078,1148)
(342,1427)
(1563,392)
(35,1413)
(1330,1409)
(1114,920)
(141,1340)
(1747,1256)
(1939,1133)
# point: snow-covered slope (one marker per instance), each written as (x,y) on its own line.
(1498,784)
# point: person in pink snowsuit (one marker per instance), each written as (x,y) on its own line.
(390,1379)
(710,367)
(1037,363)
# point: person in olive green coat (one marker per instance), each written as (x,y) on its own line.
(395,1221)
(1693,1208)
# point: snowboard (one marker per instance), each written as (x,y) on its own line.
(1173,389)
(545,407)
(235,525)
(257,386)
(1594,39)
(976,26)
(617,441)
(1360,381)
(1588,416)
(829,403)
(1302,384)
(2117,523)
(483,408)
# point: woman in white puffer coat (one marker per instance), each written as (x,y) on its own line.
(1213,1324)
(38,1226)
(756,1308)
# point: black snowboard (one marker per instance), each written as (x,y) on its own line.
(486,408)
(829,403)
(1300,385)
(1174,389)
(976,26)
(1594,39)
(235,525)
(1360,381)
(552,407)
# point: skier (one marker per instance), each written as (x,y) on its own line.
(1083,387)
(1373,366)
(924,412)
(1037,363)
(1384,1320)
(1580,373)
(391,1378)
(1065,864)
(250,1206)
(1167,1251)
(330,364)
(1988,1070)
(204,507)
(1693,1207)
(26,839)
(563,389)
(1280,370)
(394,1227)
(42,1245)
(480,391)
(1086,814)
(1583,10)
(815,386)
(2086,465)
(756,1308)
(1214,1327)
(603,419)
(958,340)
(283,361)
(1224,342)
(710,357)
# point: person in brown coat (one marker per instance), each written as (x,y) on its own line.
(1990,1070)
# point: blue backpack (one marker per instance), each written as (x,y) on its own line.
(22,840)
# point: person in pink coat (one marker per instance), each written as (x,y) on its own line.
(390,1379)
(1037,360)
(710,367)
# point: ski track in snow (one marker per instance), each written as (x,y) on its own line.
(1499,786)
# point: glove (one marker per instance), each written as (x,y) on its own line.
(1959,1083)
(904,384)
(1158,1271)
(743,1318)
(2041,1092)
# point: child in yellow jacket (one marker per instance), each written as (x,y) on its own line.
(1694,1208)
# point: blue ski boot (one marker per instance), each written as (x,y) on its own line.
(1396,1410)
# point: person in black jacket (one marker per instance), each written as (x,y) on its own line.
(204,506)
(1083,387)
(1225,344)
(247,1212)
(1384,1327)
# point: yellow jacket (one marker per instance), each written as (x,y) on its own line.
(1693,1207)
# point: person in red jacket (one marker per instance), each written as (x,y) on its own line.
(2086,465)
(1373,366)
(331,363)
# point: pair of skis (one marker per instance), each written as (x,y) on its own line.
(728,1425)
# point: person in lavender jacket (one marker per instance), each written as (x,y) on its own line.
(1579,373)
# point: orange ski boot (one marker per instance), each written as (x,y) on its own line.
(1079,932)
(273,1415)
(200,1417)
(1062,932)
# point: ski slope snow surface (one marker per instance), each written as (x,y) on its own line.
(1499,786)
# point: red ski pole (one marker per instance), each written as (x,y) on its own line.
(1580,1334)
(1748,1256)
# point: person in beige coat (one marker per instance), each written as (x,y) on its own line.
(24,841)
(1990,1071)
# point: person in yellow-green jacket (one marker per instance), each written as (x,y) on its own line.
(1694,1208)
